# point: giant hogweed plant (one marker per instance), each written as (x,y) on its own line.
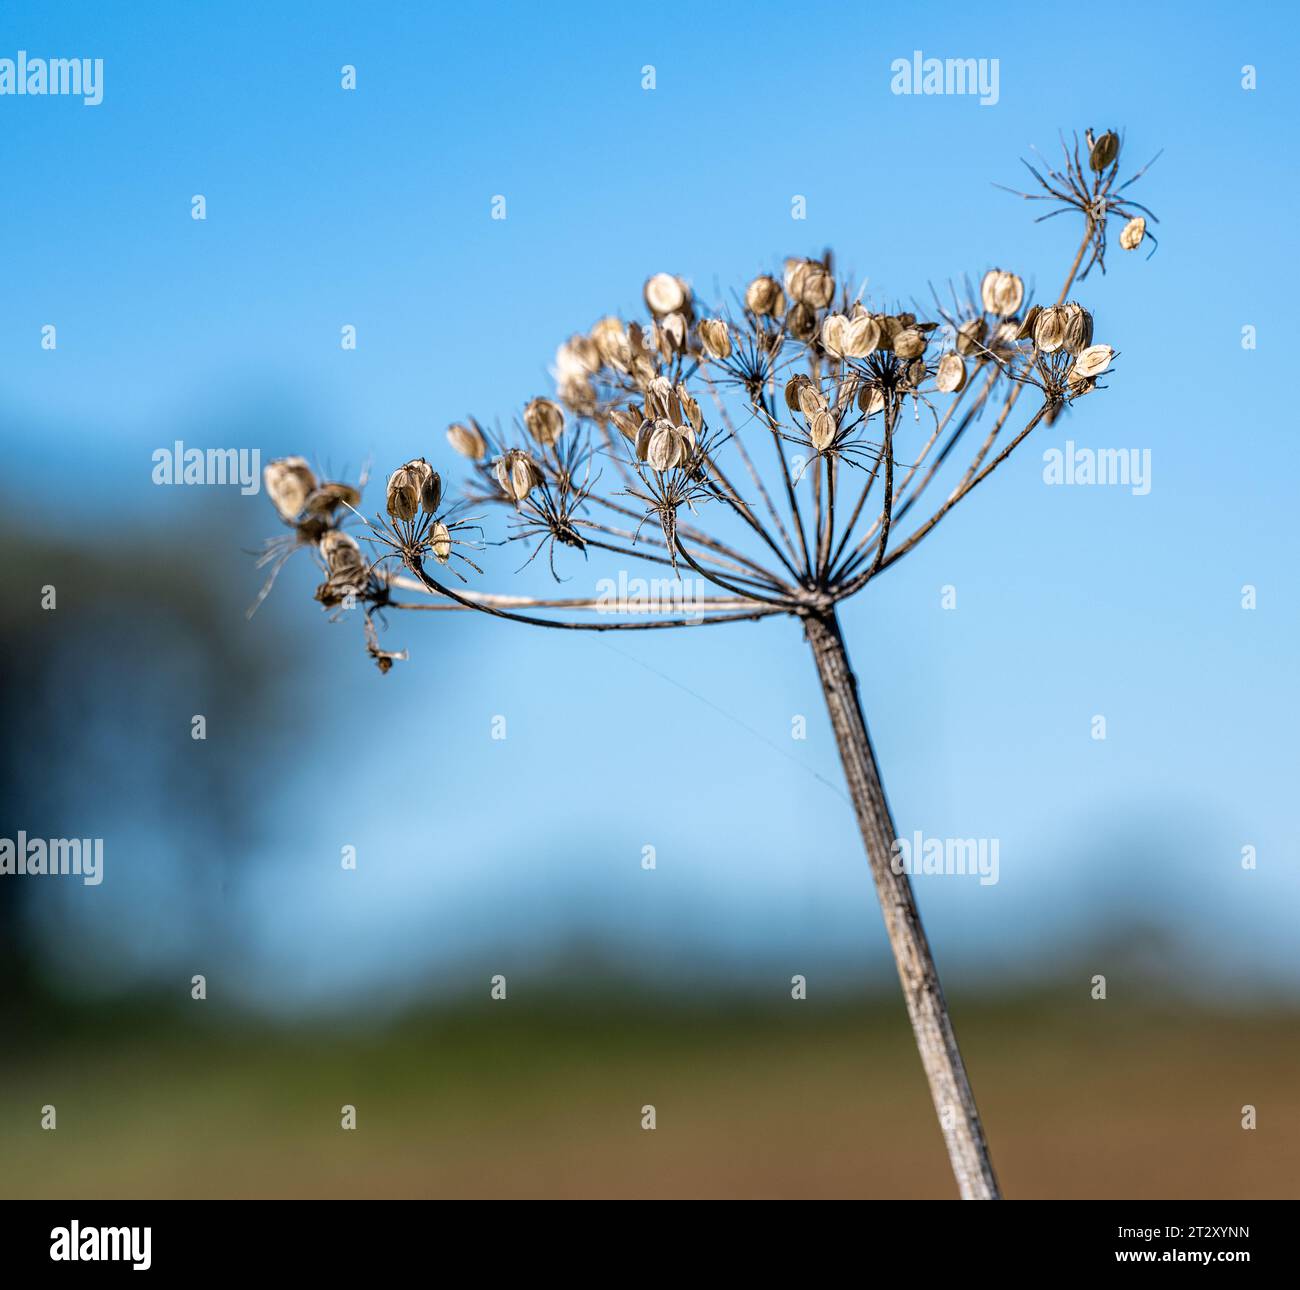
(781,447)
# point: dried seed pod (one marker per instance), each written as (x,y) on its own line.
(1103,153)
(764,297)
(440,541)
(809,283)
(834,332)
(1092,362)
(811,399)
(950,375)
(1049,329)
(518,474)
(1001,292)
(289,482)
(672,333)
(821,430)
(690,409)
(611,340)
(665,294)
(667,448)
(326,499)
(715,337)
(467,440)
(576,359)
(970,337)
(1078,328)
(342,555)
(909,343)
(403,498)
(428,485)
(1132,233)
(544,420)
(801,322)
(1025,330)
(626,423)
(862,337)
(890,327)
(643,436)
(792,388)
(870,399)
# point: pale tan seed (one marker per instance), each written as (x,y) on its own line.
(1133,232)
(544,420)
(467,440)
(665,294)
(289,482)
(950,375)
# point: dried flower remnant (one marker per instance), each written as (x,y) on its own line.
(787,452)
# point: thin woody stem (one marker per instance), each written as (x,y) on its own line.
(950,1089)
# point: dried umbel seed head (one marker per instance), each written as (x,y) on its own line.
(665,294)
(1104,151)
(715,337)
(467,440)
(764,297)
(342,555)
(544,420)
(289,482)
(950,375)
(1078,328)
(970,337)
(1049,329)
(909,343)
(1132,233)
(1092,362)
(440,542)
(809,283)
(821,430)
(1001,292)
(518,474)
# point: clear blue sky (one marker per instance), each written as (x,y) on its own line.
(372,208)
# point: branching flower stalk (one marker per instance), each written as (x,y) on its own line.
(779,448)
